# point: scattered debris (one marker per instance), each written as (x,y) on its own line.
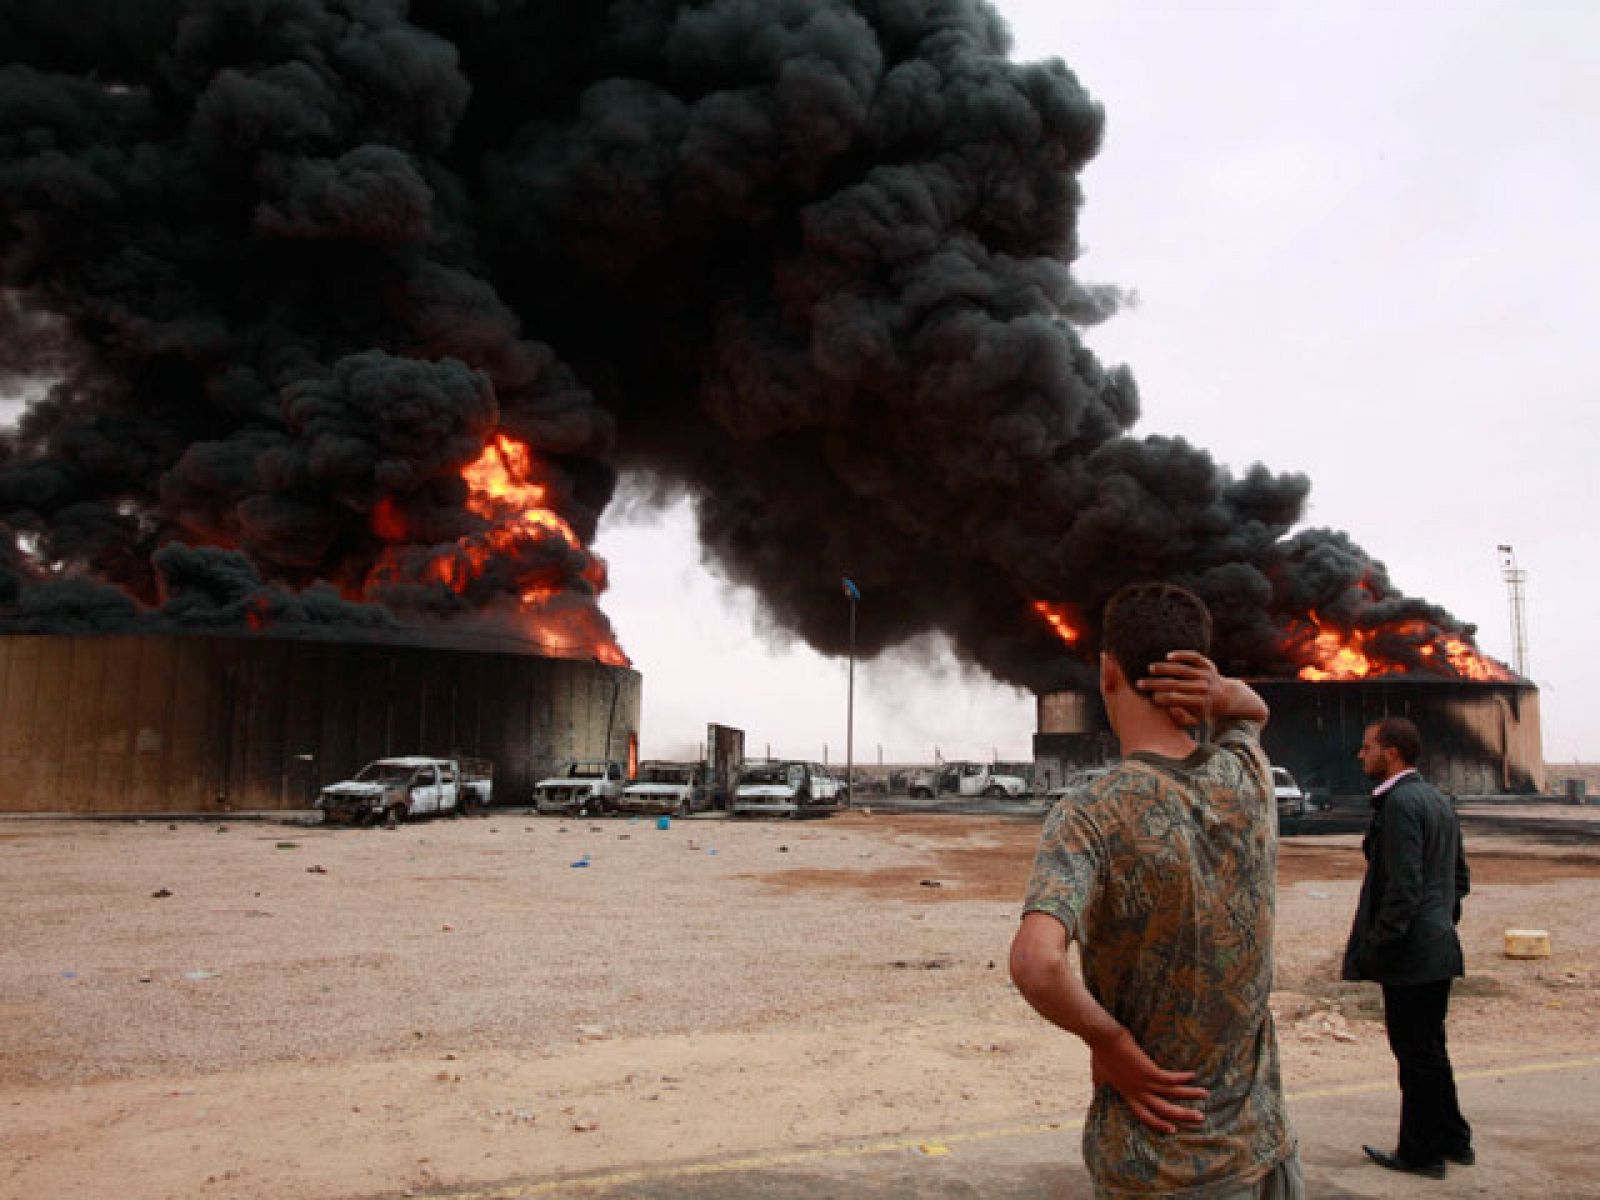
(1328,1024)
(933,1149)
(930,883)
(287,846)
(783,849)
(582,862)
(199,976)
(937,963)
(145,977)
(160,894)
(520,1116)
(316,869)
(587,1125)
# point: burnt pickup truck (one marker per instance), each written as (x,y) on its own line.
(669,788)
(392,790)
(587,787)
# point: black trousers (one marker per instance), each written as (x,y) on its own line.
(1431,1124)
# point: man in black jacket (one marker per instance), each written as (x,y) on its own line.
(1404,938)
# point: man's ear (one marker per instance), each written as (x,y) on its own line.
(1111,676)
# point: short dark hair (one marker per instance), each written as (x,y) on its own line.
(1143,622)
(1401,736)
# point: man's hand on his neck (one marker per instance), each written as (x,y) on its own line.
(1190,689)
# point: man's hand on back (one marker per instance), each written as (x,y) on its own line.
(1151,1092)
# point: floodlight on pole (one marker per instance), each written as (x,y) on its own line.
(853,594)
(1516,584)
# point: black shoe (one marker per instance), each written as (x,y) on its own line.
(1464,1158)
(1433,1170)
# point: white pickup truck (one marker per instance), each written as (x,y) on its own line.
(581,787)
(788,788)
(967,779)
(394,789)
(673,789)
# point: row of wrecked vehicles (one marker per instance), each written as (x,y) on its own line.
(391,790)
(786,788)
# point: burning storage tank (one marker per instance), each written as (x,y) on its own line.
(1479,738)
(163,722)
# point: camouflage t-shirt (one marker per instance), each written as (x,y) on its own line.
(1164,872)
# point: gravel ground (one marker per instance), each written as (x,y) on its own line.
(780,981)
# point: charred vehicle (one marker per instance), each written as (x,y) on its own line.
(967,779)
(1291,799)
(395,789)
(672,789)
(788,788)
(591,786)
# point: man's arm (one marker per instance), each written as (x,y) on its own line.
(1189,686)
(1044,976)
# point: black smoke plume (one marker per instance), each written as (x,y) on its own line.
(292,263)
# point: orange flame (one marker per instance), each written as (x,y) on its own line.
(1355,653)
(1059,618)
(506,491)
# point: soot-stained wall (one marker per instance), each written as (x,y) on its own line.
(178,723)
(1479,739)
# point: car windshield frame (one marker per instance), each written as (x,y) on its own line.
(678,776)
(385,773)
(766,775)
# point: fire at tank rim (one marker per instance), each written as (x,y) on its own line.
(395,637)
(1277,681)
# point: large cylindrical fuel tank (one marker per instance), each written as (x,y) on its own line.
(162,723)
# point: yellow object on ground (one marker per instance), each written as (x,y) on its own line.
(1527,943)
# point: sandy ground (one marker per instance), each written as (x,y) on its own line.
(261,1009)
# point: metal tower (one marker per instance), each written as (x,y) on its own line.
(1516,581)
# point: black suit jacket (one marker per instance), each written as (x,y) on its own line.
(1405,925)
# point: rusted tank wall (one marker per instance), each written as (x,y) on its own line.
(1070,712)
(175,723)
(1479,739)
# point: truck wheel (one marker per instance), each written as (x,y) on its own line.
(921,794)
(392,816)
(994,790)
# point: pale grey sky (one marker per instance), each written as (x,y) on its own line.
(1365,245)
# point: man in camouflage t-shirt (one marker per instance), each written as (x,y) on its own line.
(1163,871)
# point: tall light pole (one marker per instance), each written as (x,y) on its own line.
(1516,583)
(853,593)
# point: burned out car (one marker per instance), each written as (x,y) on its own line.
(588,786)
(395,789)
(786,788)
(668,788)
(1291,800)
